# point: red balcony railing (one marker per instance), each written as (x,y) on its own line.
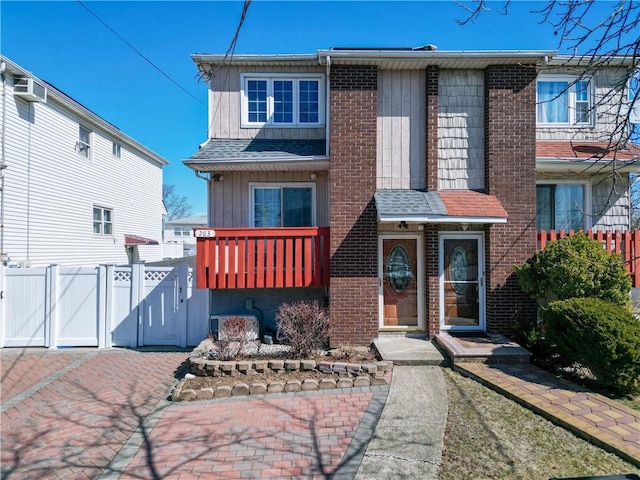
(263,257)
(626,244)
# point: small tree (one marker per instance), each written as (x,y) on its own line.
(305,326)
(575,266)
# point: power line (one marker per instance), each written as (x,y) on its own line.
(141,54)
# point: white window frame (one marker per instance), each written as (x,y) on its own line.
(586,186)
(571,91)
(83,148)
(116,149)
(102,222)
(184,231)
(270,78)
(254,185)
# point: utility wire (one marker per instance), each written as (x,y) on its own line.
(141,54)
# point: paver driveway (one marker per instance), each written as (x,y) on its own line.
(86,414)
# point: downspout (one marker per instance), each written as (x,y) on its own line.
(327,116)
(3,164)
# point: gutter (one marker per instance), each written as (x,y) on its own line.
(421,219)
(434,54)
(578,165)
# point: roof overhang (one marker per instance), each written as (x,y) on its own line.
(301,164)
(132,240)
(587,157)
(445,206)
(586,166)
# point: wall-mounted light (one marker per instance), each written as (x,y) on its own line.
(217,177)
(313,176)
(464,226)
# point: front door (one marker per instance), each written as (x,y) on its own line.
(461,282)
(400,282)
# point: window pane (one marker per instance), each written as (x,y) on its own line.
(309,101)
(297,207)
(257,94)
(544,208)
(553,102)
(97,227)
(266,207)
(107,228)
(569,207)
(84,135)
(97,214)
(283,101)
(107,215)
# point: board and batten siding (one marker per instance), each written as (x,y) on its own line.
(608,95)
(461,129)
(230,203)
(401,128)
(224,106)
(50,190)
(610,201)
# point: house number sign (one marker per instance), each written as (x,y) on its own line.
(205,233)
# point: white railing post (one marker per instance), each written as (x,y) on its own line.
(51,319)
(2,305)
(109,295)
(182,272)
(137,296)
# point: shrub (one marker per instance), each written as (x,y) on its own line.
(599,335)
(304,325)
(233,338)
(575,266)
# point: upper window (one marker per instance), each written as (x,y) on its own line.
(282,100)
(102,221)
(116,150)
(285,205)
(84,141)
(564,101)
(181,231)
(560,207)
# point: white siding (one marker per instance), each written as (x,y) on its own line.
(50,190)
(611,207)
(224,106)
(461,129)
(608,94)
(401,129)
(229,205)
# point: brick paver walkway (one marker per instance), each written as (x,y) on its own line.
(602,421)
(104,414)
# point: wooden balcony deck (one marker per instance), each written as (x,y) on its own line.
(262,257)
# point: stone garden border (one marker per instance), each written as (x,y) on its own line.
(350,375)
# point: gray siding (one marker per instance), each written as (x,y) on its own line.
(224,106)
(461,129)
(401,128)
(229,199)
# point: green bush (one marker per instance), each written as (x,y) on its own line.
(575,266)
(599,335)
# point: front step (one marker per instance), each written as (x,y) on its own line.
(481,348)
(409,351)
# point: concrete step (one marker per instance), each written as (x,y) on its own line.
(481,347)
(409,351)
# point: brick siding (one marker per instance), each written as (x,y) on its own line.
(510,161)
(353,221)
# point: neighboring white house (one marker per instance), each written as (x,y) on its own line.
(75,190)
(178,235)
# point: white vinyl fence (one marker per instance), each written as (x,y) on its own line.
(104,306)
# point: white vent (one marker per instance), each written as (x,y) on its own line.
(216,325)
(29,89)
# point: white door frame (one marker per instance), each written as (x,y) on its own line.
(419,278)
(442,236)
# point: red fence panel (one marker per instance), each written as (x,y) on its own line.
(624,243)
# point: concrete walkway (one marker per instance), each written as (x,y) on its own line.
(407,442)
(602,421)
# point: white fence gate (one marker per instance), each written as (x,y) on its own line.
(103,306)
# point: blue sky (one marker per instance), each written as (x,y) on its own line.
(65,45)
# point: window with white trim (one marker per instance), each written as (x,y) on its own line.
(84,141)
(181,231)
(282,205)
(116,150)
(564,101)
(560,206)
(282,100)
(102,221)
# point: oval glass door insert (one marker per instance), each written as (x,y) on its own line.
(399,269)
(459,269)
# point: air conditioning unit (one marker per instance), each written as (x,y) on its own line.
(217,324)
(29,89)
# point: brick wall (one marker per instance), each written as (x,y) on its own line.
(352,184)
(510,133)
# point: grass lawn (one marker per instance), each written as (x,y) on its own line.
(491,437)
